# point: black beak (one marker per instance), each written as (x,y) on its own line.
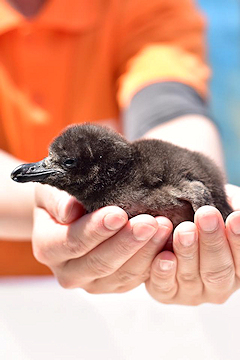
(32,172)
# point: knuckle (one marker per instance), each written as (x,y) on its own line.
(164,287)
(67,282)
(98,266)
(215,245)
(220,277)
(96,235)
(126,276)
(75,246)
(69,278)
(164,293)
(124,247)
(164,280)
(147,254)
(188,255)
(40,254)
(192,285)
(92,288)
(188,277)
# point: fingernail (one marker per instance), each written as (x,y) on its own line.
(143,232)
(162,235)
(166,265)
(114,221)
(235,225)
(164,230)
(187,238)
(208,222)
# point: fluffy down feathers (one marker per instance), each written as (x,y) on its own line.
(99,167)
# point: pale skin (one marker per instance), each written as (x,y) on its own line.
(104,252)
(205,270)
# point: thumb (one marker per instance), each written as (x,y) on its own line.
(63,207)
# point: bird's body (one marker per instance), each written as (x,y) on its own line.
(99,167)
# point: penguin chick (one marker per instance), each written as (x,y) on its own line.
(100,167)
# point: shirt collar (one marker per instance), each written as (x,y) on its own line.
(67,15)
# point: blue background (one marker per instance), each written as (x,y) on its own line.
(223,37)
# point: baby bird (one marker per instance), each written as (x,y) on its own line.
(100,167)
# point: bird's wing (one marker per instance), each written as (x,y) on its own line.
(195,192)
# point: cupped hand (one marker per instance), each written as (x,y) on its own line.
(100,252)
(205,265)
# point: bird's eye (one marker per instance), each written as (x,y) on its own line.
(70,162)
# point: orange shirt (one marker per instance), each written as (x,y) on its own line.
(81,60)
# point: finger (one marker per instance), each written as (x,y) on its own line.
(233,235)
(137,269)
(216,262)
(62,206)
(233,194)
(162,284)
(55,243)
(111,254)
(185,245)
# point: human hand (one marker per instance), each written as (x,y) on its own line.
(100,252)
(205,266)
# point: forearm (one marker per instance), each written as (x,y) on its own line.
(194,132)
(16,202)
(176,113)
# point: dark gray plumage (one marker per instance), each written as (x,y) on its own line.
(99,167)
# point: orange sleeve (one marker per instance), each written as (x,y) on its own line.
(161,40)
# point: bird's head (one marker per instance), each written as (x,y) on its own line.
(81,158)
